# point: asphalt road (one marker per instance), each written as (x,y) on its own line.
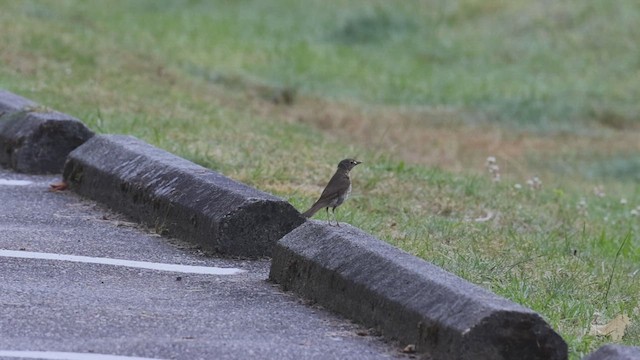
(92,305)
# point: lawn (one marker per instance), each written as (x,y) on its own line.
(275,93)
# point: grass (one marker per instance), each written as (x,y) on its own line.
(423,92)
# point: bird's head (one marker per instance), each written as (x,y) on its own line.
(348,164)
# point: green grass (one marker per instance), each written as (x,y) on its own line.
(197,79)
(538,65)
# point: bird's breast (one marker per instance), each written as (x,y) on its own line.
(344,195)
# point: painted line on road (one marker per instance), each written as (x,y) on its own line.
(209,270)
(15,182)
(58,355)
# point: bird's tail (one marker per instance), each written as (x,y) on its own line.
(314,209)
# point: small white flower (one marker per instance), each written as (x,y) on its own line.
(582,206)
(534,183)
(517,186)
(599,191)
(492,165)
(623,201)
(635,212)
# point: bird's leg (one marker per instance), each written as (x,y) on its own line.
(328,219)
(335,217)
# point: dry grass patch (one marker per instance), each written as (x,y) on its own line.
(443,138)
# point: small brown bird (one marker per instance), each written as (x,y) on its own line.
(336,192)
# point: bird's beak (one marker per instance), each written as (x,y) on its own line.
(358,162)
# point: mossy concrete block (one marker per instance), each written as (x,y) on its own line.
(406,298)
(615,352)
(34,139)
(179,198)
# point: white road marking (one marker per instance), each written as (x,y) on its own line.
(15,182)
(58,355)
(209,270)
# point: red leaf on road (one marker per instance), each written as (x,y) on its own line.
(60,186)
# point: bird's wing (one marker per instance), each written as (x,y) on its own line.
(329,194)
(332,191)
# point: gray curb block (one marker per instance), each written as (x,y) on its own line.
(185,200)
(615,352)
(408,299)
(34,140)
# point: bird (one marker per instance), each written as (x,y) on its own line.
(336,191)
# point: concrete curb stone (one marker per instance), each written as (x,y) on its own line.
(615,352)
(35,140)
(408,299)
(178,197)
